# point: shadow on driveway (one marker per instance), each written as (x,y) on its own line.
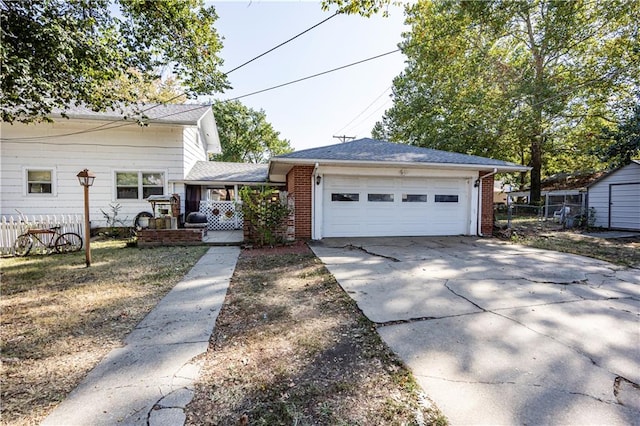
(498,333)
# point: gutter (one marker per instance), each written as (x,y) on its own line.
(479,185)
(405,164)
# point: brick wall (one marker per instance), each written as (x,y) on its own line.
(300,189)
(486,223)
(169,237)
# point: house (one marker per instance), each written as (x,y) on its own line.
(364,187)
(615,198)
(369,187)
(133,155)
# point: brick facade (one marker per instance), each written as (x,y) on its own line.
(486,223)
(300,190)
(169,237)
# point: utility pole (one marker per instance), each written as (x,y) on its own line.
(344,138)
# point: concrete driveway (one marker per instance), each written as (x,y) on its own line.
(498,333)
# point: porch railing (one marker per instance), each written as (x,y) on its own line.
(12,226)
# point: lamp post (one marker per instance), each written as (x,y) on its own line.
(86,179)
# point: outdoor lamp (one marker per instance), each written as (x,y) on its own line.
(318,179)
(86,179)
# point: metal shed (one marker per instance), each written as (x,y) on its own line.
(615,198)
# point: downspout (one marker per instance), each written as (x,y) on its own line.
(313,201)
(479,185)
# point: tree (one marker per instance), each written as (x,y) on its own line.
(624,141)
(133,87)
(60,53)
(245,134)
(526,81)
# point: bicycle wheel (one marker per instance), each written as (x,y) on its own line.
(23,245)
(68,242)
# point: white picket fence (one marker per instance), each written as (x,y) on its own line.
(12,226)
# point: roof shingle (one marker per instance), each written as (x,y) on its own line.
(214,171)
(381,151)
(185,114)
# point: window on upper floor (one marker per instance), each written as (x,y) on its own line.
(138,185)
(39,181)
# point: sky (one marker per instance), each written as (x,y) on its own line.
(308,114)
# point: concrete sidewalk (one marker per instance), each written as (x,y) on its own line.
(149,380)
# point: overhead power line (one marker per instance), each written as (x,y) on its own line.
(364,110)
(282,44)
(314,75)
(344,138)
(107,125)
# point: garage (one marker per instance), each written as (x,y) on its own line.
(400,206)
(374,188)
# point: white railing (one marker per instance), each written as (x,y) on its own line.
(12,226)
(222,215)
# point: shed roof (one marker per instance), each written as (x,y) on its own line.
(633,163)
(215,171)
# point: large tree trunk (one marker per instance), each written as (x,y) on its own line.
(536,164)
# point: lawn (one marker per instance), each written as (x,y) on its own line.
(59,318)
(551,236)
(291,348)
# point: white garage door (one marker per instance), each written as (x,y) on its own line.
(377,206)
(624,206)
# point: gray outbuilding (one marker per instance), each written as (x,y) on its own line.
(615,198)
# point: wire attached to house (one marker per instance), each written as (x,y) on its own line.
(314,75)
(282,44)
(107,126)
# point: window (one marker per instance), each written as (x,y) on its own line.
(385,198)
(130,185)
(39,182)
(345,197)
(414,198)
(446,198)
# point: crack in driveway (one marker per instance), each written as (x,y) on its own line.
(354,247)
(533,385)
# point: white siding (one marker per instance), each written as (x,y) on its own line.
(194,149)
(599,192)
(67,147)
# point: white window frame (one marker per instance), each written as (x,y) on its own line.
(25,186)
(140,185)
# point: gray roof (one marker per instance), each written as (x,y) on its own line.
(214,171)
(184,114)
(372,150)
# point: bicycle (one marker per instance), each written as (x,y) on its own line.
(62,243)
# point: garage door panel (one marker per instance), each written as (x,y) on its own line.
(625,206)
(397,217)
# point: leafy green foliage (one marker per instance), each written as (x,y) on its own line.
(133,87)
(60,53)
(530,82)
(625,141)
(245,134)
(265,212)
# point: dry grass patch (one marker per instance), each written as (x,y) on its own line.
(290,347)
(60,318)
(549,235)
